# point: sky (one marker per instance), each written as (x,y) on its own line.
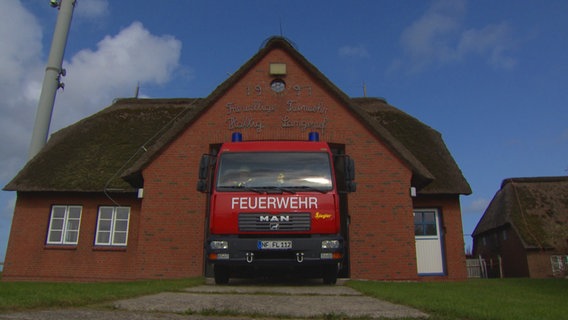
(490,76)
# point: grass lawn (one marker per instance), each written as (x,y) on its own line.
(16,296)
(477,299)
(473,299)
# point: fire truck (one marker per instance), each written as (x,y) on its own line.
(274,206)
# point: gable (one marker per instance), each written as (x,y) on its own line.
(246,103)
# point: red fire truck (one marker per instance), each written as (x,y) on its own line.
(273,206)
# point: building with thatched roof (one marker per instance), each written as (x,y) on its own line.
(113,197)
(524,225)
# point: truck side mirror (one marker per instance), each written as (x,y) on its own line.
(204,165)
(349,169)
(202,186)
(350,184)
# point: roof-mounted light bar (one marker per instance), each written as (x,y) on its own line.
(237,137)
(314,136)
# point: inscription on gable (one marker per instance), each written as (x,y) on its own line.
(293,114)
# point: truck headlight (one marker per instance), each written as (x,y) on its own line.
(330,244)
(217,245)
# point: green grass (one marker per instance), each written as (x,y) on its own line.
(501,299)
(15,296)
(468,300)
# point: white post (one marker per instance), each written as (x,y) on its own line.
(53,72)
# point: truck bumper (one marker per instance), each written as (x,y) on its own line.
(275,251)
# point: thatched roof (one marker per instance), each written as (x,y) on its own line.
(425,144)
(87,155)
(537,208)
(123,139)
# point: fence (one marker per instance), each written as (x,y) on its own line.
(476,268)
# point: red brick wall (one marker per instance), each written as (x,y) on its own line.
(29,258)
(382,239)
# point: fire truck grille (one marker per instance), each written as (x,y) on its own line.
(267,222)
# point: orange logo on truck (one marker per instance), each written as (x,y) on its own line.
(322,216)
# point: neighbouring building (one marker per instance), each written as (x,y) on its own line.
(524,226)
(113,196)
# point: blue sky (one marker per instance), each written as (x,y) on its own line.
(490,76)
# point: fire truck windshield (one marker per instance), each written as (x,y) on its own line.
(285,171)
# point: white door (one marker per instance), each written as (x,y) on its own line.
(429,254)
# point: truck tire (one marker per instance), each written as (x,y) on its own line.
(221,274)
(330,274)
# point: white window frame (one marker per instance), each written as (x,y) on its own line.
(67,225)
(436,224)
(111,223)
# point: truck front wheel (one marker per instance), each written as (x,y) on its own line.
(330,274)
(221,274)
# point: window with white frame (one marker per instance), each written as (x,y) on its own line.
(64,225)
(112,226)
(425,223)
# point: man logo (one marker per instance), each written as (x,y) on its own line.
(274,226)
(274,218)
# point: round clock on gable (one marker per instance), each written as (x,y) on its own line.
(278,85)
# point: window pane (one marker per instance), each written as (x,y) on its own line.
(430,230)
(72,225)
(71,237)
(429,217)
(57,224)
(417,217)
(418,230)
(58,212)
(119,238)
(121,226)
(103,237)
(55,236)
(106,213)
(122,213)
(104,225)
(75,212)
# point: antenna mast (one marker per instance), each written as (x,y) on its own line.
(53,73)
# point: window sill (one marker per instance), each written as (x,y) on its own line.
(60,247)
(110,248)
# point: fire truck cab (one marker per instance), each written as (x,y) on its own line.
(274,205)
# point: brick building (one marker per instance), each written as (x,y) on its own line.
(525,227)
(113,196)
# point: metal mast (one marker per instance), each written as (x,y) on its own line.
(53,73)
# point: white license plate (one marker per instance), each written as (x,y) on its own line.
(274,244)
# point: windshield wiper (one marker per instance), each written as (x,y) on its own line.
(245,188)
(281,189)
(310,189)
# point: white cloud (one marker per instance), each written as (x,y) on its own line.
(9,202)
(438,37)
(20,78)
(95,78)
(359,51)
(493,42)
